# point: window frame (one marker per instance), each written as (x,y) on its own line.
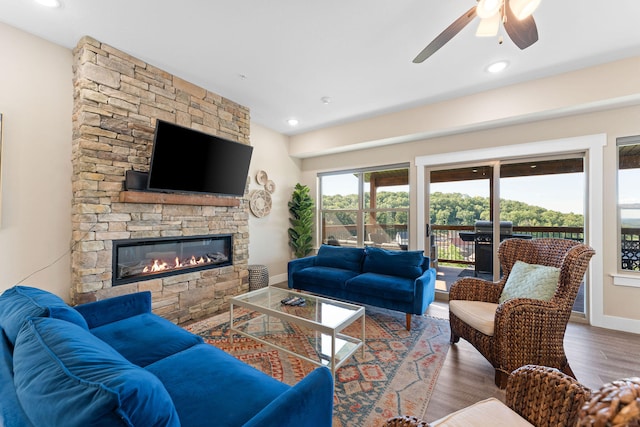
(361,211)
(622,142)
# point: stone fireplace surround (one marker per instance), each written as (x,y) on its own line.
(117,99)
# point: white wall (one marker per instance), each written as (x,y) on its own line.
(36,106)
(268,239)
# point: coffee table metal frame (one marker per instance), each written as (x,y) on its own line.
(267,301)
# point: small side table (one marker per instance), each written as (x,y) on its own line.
(258,276)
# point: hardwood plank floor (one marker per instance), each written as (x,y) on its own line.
(596,356)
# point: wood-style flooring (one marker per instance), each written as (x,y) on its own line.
(596,356)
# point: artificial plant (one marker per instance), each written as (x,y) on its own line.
(301,220)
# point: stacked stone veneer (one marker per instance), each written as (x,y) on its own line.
(117,99)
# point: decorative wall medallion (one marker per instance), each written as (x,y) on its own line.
(261,177)
(260,203)
(270,186)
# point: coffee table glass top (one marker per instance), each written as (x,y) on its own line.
(318,310)
(321,320)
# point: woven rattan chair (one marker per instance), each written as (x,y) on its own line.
(523,331)
(542,396)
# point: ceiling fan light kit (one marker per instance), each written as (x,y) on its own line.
(488,8)
(515,16)
(523,8)
(488,27)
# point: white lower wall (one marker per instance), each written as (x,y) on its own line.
(36,107)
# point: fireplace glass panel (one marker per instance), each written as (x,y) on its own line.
(144,259)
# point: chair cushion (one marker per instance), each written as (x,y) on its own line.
(340,257)
(65,376)
(488,412)
(479,315)
(393,263)
(19,303)
(530,281)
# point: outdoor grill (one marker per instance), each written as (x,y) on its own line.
(482,236)
(483,240)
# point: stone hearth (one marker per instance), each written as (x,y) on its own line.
(117,99)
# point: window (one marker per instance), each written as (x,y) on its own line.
(629,202)
(366,207)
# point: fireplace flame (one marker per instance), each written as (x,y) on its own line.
(160,265)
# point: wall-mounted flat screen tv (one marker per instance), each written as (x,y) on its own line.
(188,161)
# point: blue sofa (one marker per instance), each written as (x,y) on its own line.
(398,280)
(114,363)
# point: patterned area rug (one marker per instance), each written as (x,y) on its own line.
(395,376)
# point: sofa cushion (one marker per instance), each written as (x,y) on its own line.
(65,376)
(383,286)
(145,338)
(235,390)
(479,315)
(488,412)
(326,277)
(340,257)
(530,281)
(393,263)
(19,303)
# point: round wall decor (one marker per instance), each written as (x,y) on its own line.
(260,203)
(262,177)
(270,186)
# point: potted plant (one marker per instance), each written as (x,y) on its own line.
(301,230)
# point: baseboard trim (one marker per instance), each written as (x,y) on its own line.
(278,278)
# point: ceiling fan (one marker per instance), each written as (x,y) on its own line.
(515,16)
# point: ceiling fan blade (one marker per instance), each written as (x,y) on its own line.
(524,32)
(446,35)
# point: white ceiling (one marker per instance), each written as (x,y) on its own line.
(357,52)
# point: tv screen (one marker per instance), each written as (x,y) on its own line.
(189,161)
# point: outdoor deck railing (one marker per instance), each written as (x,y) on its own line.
(452,249)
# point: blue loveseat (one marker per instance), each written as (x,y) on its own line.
(398,280)
(114,363)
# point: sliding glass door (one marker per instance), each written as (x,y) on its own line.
(473,206)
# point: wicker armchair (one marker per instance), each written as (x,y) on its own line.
(540,395)
(522,331)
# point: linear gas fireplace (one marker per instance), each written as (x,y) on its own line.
(135,260)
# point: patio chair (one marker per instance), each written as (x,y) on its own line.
(528,328)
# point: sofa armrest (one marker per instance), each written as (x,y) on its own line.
(425,291)
(545,396)
(309,403)
(297,265)
(113,309)
(11,412)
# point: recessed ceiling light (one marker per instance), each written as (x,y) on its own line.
(497,67)
(49,3)
(292,122)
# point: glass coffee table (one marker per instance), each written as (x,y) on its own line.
(320,319)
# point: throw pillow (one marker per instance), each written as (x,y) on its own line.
(19,303)
(530,281)
(65,376)
(393,263)
(340,257)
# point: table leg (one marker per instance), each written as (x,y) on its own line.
(362,338)
(333,355)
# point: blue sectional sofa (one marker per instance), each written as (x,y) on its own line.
(114,363)
(398,280)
